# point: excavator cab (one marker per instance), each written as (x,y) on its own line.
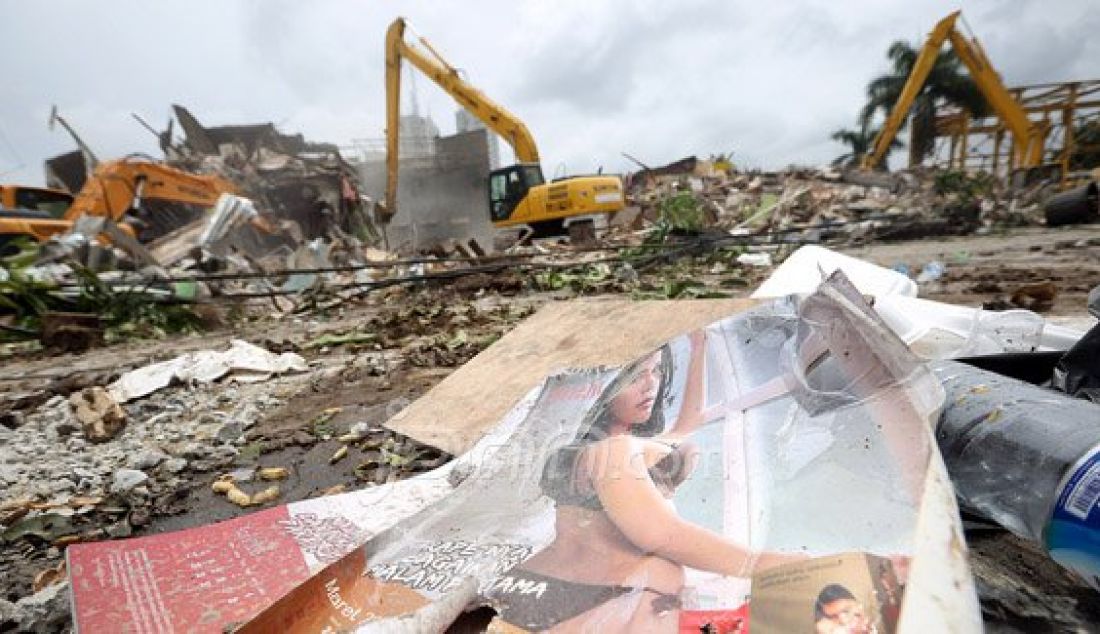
(509,186)
(50,201)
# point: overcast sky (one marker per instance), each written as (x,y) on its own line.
(656,79)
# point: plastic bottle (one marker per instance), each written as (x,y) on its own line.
(1027,458)
(931,272)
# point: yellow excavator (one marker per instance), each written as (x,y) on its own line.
(1028,137)
(519,194)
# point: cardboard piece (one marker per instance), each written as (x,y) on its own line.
(578,333)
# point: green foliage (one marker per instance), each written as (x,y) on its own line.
(321,425)
(681,211)
(126,312)
(579,279)
(131,312)
(20,294)
(967,187)
(331,340)
(653,245)
(679,288)
(860,142)
(250,453)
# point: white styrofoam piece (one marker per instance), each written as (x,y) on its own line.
(802,272)
(912,318)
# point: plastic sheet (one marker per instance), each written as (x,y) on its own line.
(1027,458)
(244,361)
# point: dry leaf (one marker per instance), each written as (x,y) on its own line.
(333,490)
(49,576)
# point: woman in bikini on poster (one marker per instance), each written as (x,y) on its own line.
(617,560)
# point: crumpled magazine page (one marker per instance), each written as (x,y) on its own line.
(774,469)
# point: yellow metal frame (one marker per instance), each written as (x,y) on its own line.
(965,142)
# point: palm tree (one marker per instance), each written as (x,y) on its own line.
(946,82)
(859,143)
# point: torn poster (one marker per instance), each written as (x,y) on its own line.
(781,458)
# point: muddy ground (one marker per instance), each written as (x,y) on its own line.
(986,270)
(371,357)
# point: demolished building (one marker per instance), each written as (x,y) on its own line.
(288,177)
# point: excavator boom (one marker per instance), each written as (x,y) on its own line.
(116,187)
(1028,137)
(492,114)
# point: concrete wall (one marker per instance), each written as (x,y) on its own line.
(444,197)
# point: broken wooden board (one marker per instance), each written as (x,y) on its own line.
(458,411)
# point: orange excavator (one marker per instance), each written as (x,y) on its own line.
(116,190)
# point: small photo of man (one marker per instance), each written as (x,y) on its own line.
(837,611)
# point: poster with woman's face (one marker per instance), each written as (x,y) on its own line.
(681,493)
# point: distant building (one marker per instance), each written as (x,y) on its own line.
(443,191)
(417,136)
(466,122)
(416,142)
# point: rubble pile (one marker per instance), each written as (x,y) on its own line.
(289,178)
(816,205)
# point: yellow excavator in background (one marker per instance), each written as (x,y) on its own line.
(519,194)
(1028,137)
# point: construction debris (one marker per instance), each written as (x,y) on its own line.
(291,179)
(825,205)
(126,436)
(242,362)
(99,414)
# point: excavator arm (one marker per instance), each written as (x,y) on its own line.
(493,115)
(1028,137)
(116,187)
